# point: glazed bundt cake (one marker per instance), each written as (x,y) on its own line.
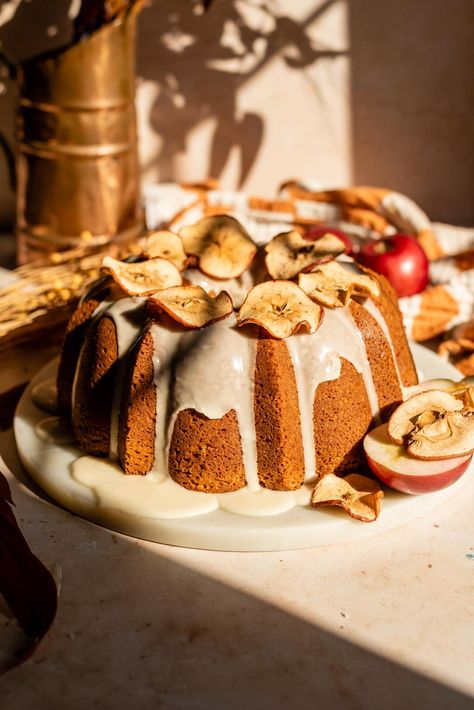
(225,366)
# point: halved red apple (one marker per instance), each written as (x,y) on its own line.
(392,465)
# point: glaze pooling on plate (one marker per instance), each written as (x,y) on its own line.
(155,496)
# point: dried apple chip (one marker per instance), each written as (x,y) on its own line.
(280,308)
(190,305)
(289,253)
(404,418)
(357,495)
(143,277)
(166,245)
(434,425)
(332,284)
(221,244)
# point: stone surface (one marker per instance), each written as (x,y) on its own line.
(384,622)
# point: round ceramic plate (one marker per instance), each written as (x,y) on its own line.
(50,466)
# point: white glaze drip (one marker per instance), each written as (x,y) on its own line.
(374,311)
(101,308)
(311,368)
(147,496)
(237,288)
(214,374)
(129,322)
(360,360)
(165,345)
(316,359)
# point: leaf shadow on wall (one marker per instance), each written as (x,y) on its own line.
(200,62)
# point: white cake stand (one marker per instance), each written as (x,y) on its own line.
(301,527)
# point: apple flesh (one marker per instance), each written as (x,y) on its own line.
(401,260)
(316,233)
(392,465)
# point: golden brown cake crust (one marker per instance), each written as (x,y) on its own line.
(206,454)
(388,306)
(341,418)
(75,334)
(136,431)
(384,373)
(95,388)
(280,457)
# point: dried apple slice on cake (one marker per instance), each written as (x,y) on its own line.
(280,308)
(190,305)
(289,253)
(166,245)
(222,246)
(143,277)
(334,283)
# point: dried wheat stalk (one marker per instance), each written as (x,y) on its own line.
(45,292)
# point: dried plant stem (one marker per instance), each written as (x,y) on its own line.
(45,292)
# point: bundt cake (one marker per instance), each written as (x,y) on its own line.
(271,382)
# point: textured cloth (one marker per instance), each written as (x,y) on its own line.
(365,213)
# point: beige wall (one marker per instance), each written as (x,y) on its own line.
(254,92)
(412,85)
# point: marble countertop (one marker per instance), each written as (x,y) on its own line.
(382,622)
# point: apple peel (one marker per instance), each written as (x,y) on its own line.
(334,283)
(289,253)
(143,277)
(392,464)
(190,305)
(280,308)
(166,245)
(222,246)
(358,495)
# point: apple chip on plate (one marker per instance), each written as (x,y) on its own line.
(358,495)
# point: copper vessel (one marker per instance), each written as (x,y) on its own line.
(77,163)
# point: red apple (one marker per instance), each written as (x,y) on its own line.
(401,259)
(392,465)
(317,232)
